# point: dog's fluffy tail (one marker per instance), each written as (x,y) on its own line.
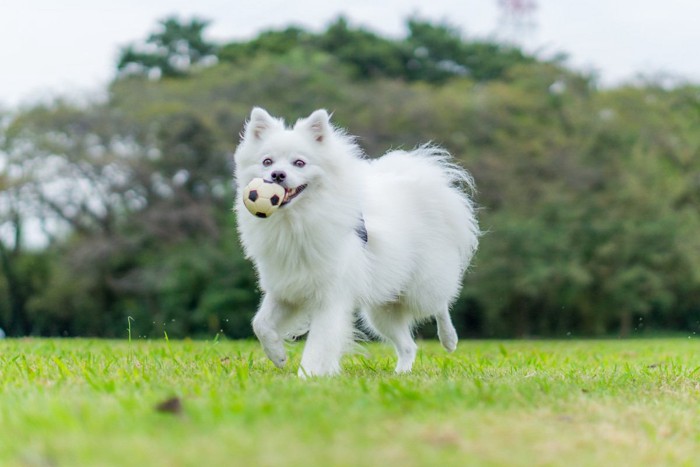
(431,166)
(440,158)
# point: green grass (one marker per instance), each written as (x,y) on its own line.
(92,402)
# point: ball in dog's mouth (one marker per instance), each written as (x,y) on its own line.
(291,193)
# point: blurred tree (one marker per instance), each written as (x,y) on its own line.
(15,320)
(123,191)
(22,270)
(591,198)
(369,55)
(170,52)
(268,42)
(438,52)
(431,53)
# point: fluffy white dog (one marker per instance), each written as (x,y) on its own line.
(391,237)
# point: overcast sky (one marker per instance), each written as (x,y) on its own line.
(70,46)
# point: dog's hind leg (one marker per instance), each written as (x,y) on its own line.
(393,323)
(446,331)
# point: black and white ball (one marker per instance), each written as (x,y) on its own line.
(263,198)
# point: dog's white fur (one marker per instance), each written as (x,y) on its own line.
(314,268)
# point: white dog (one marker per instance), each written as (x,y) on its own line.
(391,237)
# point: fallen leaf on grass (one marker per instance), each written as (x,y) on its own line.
(172,405)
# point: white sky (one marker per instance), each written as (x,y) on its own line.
(70,46)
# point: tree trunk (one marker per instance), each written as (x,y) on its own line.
(18,324)
(625,324)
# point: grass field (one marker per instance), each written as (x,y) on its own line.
(91,402)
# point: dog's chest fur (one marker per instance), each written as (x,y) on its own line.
(299,262)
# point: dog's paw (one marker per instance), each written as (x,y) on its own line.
(448,339)
(311,371)
(280,362)
(277,356)
(403,368)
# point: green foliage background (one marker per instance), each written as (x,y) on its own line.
(590,198)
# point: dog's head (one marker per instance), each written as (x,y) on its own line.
(295,158)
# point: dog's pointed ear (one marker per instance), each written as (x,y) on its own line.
(318,123)
(260,122)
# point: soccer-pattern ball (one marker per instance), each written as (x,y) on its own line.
(263,198)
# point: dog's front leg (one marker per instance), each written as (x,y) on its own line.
(267,325)
(329,336)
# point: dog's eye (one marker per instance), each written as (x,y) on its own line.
(299,163)
(267,162)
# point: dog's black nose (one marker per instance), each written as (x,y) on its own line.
(278,176)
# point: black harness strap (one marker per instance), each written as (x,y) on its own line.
(361,231)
